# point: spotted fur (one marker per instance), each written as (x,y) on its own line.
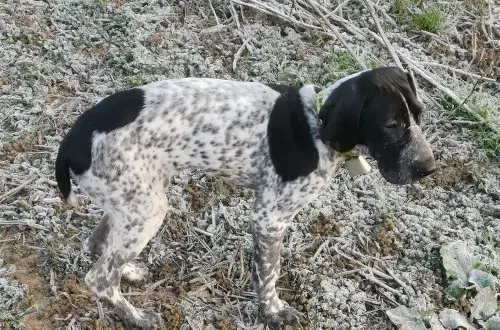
(124,151)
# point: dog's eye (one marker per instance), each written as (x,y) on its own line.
(391,125)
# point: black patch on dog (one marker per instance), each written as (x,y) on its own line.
(291,144)
(113,112)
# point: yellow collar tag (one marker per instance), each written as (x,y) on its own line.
(356,165)
(320,100)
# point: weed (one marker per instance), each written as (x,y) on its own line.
(337,65)
(343,61)
(137,80)
(431,20)
(289,77)
(387,239)
(400,10)
(413,13)
(476,6)
(489,140)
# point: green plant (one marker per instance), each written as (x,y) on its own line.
(418,14)
(137,80)
(479,125)
(337,65)
(343,61)
(489,140)
(469,281)
(431,20)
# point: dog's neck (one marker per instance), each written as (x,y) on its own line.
(312,99)
(309,97)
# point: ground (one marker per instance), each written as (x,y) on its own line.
(361,248)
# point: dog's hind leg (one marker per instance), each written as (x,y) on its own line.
(96,244)
(132,223)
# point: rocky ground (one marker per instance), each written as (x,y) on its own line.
(362,248)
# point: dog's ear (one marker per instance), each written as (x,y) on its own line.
(416,106)
(411,81)
(340,116)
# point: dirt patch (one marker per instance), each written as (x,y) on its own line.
(202,196)
(25,142)
(28,272)
(324,226)
(454,173)
(387,238)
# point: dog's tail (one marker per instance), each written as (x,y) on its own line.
(62,172)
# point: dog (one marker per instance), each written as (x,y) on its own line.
(266,137)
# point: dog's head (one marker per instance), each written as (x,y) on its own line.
(379,109)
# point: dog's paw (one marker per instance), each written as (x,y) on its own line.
(147,319)
(134,273)
(287,315)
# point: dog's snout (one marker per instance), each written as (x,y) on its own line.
(424,166)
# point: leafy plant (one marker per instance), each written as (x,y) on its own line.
(468,279)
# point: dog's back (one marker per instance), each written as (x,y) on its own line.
(181,123)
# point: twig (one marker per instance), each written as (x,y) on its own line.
(242,263)
(53,286)
(101,310)
(380,283)
(156,284)
(373,270)
(336,33)
(472,90)
(235,14)
(337,9)
(470,74)
(383,35)
(294,3)
(201,231)
(347,272)
(213,11)
(273,12)
(16,189)
(240,31)
(23,223)
(448,92)
(238,53)
(409,290)
(321,248)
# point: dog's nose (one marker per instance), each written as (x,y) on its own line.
(424,166)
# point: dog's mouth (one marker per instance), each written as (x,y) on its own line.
(404,176)
(394,177)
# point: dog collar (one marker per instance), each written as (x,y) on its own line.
(356,165)
(320,100)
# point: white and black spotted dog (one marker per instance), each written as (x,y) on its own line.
(270,138)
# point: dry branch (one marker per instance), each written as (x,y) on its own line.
(336,33)
(449,93)
(382,34)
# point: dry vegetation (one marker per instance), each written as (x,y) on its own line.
(359,250)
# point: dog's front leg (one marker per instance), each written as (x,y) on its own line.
(268,233)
